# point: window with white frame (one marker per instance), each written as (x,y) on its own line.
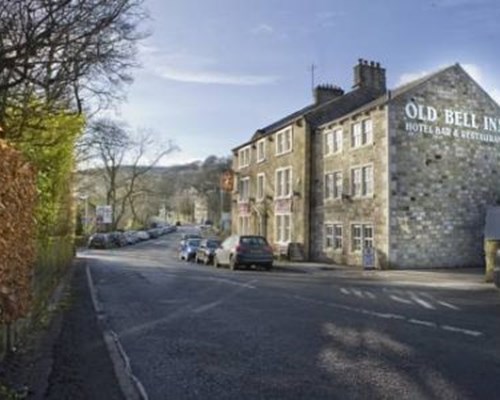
(334,236)
(367,236)
(333,141)
(367,180)
(244,189)
(361,237)
(283,228)
(356,237)
(333,185)
(244,157)
(362,133)
(362,181)
(283,184)
(261,150)
(244,225)
(284,141)
(356,182)
(261,182)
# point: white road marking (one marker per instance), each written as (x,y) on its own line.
(377,314)
(420,322)
(421,302)
(461,330)
(448,305)
(345,291)
(400,299)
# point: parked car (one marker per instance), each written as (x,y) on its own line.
(188,249)
(187,236)
(143,235)
(99,241)
(132,237)
(244,251)
(206,251)
(117,239)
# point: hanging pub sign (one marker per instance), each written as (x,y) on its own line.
(227,181)
(282,206)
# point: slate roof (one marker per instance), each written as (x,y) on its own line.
(353,101)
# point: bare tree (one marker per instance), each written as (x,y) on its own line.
(125,159)
(65,50)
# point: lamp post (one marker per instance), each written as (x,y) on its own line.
(85,198)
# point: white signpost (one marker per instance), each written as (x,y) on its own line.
(104,214)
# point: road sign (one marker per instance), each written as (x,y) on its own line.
(104,214)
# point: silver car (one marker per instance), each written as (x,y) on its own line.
(244,251)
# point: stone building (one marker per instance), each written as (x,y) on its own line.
(401,178)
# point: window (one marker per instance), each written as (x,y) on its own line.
(333,141)
(244,225)
(362,181)
(333,185)
(356,238)
(333,236)
(284,182)
(261,179)
(367,236)
(244,189)
(284,141)
(362,133)
(244,157)
(283,230)
(356,182)
(362,237)
(261,150)
(367,180)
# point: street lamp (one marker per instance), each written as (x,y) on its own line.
(85,198)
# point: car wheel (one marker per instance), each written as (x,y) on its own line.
(268,267)
(233,265)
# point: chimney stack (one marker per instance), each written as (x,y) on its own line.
(369,75)
(323,93)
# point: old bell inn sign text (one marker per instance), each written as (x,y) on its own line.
(426,119)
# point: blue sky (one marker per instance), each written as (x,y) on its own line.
(214,71)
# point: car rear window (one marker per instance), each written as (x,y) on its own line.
(213,243)
(253,241)
(194,242)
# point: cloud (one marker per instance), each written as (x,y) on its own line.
(327,19)
(263,29)
(473,70)
(212,77)
(184,67)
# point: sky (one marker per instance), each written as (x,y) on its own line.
(215,71)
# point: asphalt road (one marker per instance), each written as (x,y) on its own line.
(196,332)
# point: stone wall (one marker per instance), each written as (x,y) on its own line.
(441,184)
(373,209)
(298,160)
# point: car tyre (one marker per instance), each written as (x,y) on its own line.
(233,265)
(268,267)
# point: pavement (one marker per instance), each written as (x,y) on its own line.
(466,278)
(70,359)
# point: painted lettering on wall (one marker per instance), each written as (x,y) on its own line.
(429,120)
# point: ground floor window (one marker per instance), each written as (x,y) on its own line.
(361,236)
(283,228)
(244,225)
(333,236)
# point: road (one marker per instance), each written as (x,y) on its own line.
(196,332)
